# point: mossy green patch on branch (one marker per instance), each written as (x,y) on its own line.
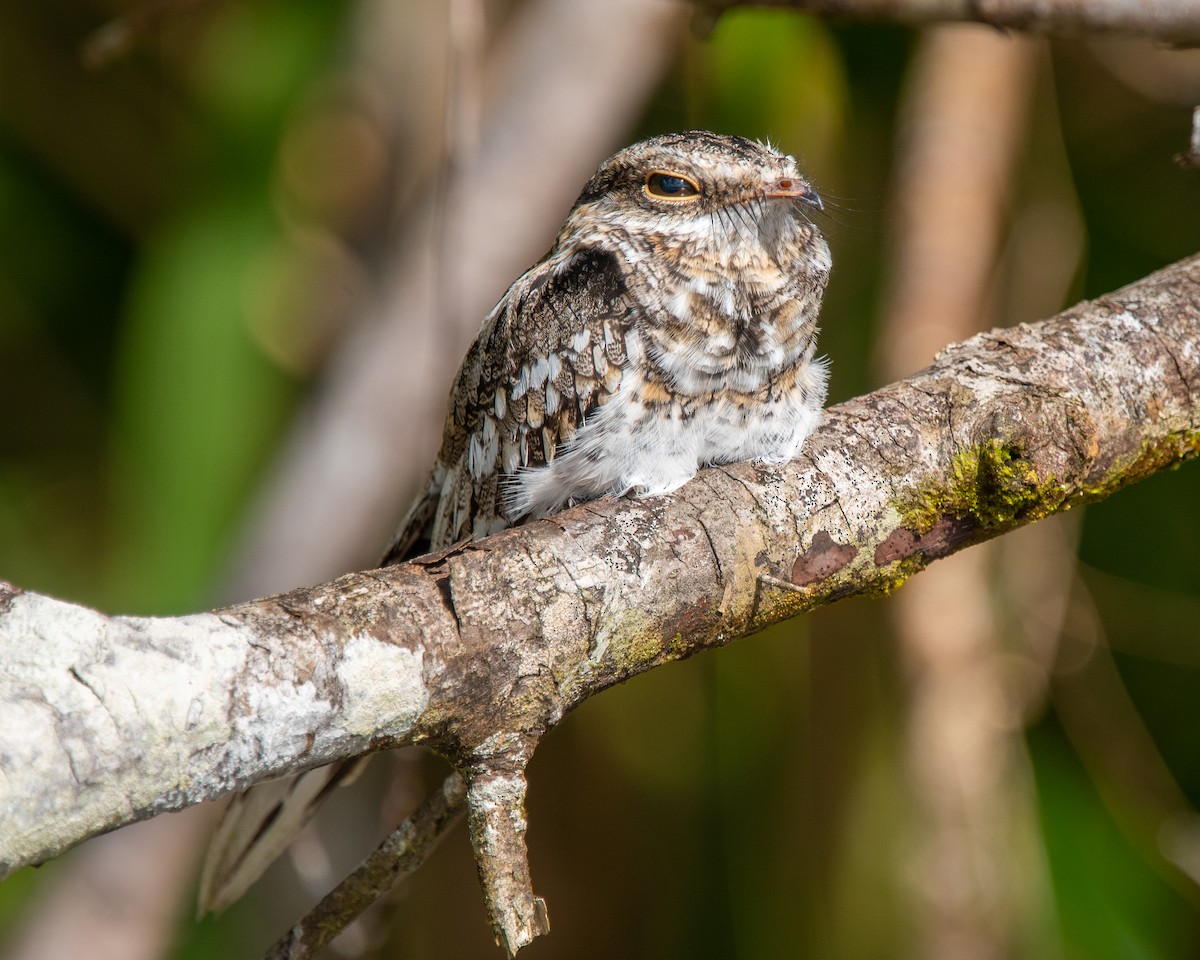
(636,641)
(989,483)
(898,573)
(1155,455)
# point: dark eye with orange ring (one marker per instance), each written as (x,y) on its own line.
(671,186)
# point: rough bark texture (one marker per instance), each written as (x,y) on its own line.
(1173,21)
(478,651)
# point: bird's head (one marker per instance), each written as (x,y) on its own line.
(698,187)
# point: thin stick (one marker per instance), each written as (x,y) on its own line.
(404,850)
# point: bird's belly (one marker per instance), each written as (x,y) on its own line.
(629,445)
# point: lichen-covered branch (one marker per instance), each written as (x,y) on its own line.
(479,650)
(1170,21)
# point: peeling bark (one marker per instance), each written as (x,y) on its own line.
(478,651)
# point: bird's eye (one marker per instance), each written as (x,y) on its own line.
(671,186)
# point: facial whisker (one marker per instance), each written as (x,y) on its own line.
(760,214)
(731,222)
(726,222)
(743,215)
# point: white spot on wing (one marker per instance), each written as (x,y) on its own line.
(521,384)
(482,450)
(538,373)
(510,457)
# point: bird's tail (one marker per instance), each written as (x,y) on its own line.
(258,826)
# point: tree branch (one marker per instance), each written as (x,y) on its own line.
(479,650)
(1171,21)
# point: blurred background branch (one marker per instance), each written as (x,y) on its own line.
(976,877)
(203,246)
(1173,21)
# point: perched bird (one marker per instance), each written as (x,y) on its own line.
(671,326)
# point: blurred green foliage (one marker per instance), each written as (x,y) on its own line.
(744,804)
(1111,903)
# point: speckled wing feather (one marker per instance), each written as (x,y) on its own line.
(549,354)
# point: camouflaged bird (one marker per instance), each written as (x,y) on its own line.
(672,325)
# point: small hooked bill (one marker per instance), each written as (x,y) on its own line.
(793,189)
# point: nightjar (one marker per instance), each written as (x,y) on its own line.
(671,326)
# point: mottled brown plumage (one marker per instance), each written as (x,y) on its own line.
(667,329)
(672,325)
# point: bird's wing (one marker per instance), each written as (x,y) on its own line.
(548,355)
(413,536)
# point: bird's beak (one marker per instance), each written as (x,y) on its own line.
(794,189)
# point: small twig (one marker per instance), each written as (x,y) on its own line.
(399,855)
(496,804)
